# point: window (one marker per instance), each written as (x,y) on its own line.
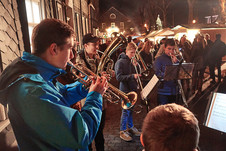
(34,14)
(112,16)
(112,25)
(78,38)
(87,28)
(103,26)
(76,27)
(60,11)
(122,25)
(84,25)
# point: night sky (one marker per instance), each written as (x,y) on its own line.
(180,10)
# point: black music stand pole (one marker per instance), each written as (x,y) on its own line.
(177,72)
(182,93)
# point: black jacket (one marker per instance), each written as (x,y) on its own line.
(124,71)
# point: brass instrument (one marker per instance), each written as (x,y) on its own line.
(178,55)
(106,63)
(134,62)
(145,72)
(128,100)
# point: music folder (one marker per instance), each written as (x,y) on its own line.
(215,115)
(148,88)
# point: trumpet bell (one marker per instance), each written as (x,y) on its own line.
(130,101)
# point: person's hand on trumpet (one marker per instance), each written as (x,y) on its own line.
(173,58)
(99,84)
(108,75)
(105,74)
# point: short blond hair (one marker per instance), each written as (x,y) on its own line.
(131,46)
(170,127)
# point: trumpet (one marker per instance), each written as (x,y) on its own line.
(134,62)
(128,100)
(146,71)
(176,56)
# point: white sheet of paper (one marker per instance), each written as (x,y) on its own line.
(216,117)
(147,89)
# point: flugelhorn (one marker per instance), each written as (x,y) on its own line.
(128,100)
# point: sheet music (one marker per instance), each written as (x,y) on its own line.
(147,89)
(216,117)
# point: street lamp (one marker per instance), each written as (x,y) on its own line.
(194,21)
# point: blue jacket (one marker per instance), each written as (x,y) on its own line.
(39,108)
(124,71)
(166,87)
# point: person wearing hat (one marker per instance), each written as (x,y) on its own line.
(89,55)
(90,58)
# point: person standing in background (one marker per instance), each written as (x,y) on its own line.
(217,51)
(90,58)
(126,75)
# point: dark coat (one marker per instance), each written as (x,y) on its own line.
(166,87)
(124,71)
(198,54)
(186,50)
(216,52)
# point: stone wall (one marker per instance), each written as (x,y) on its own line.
(11,42)
(11,47)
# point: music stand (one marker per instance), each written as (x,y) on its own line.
(177,72)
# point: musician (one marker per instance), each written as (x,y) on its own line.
(170,127)
(147,53)
(167,89)
(90,58)
(126,75)
(39,106)
(186,47)
(160,49)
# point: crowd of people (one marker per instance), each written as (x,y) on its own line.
(43,108)
(205,54)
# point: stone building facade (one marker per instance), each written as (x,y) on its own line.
(113,19)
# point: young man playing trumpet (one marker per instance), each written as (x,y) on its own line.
(39,106)
(167,89)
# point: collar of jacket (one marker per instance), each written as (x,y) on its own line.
(123,56)
(46,70)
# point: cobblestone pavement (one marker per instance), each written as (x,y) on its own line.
(112,127)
